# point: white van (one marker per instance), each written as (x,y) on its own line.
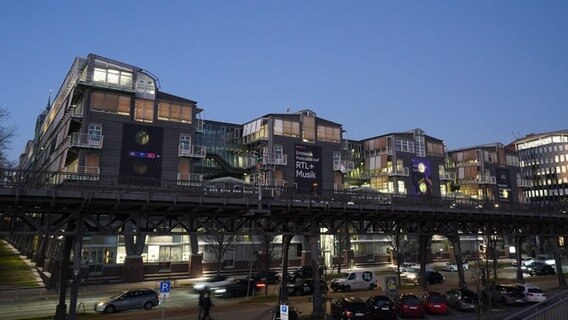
(355,280)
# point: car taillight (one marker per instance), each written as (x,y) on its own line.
(405,306)
(260,285)
(348,313)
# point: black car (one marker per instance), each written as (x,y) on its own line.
(305,286)
(293,313)
(237,288)
(303,272)
(382,307)
(272,277)
(350,309)
(540,269)
(434,277)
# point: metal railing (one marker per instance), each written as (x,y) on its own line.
(402,172)
(85,140)
(190,184)
(555,307)
(191,150)
(127,85)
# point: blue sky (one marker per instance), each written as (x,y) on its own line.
(466,72)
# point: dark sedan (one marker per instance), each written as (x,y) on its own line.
(540,269)
(272,277)
(237,288)
(382,307)
(304,287)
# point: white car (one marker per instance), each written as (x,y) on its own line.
(453,267)
(408,266)
(546,259)
(532,292)
(524,261)
(208,283)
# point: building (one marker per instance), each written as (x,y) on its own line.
(544,167)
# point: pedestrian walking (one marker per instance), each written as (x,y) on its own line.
(207,304)
(201,309)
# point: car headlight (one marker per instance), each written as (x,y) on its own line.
(220,290)
(198,287)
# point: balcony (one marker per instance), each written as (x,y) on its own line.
(279,160)
(524,183)
(124,85)
(191,151)
(448,176)
(84,140)
(391,172)
(479,180)
(189,179)
(343,166)
(275,183)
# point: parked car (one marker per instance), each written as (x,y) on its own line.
(272,277)
(434,277)
(532,292)
(305,286)
(409,305)
(382,307)
(462,299)
(236,288)
(129,299)
(303,272)
(453,266)
(355,280)
(293,313)
(434,302)
(350,309)
(540,269)
(212,282)
(504,294)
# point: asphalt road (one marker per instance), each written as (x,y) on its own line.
(182,303)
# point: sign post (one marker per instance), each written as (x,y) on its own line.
(283,312)
(165,286)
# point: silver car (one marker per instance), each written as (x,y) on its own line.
(129,299)
(462,299)
(504,294)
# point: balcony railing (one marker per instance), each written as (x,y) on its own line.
(479,180)
(275,183)
(523,183)
(81,173)
(280,160)
(192,151)
(84,140)
(343,166)
(125,85)
(391,172)
(448,176)
(189,179)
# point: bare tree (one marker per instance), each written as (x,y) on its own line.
(6,134)
(399,244)
(269,247)
(218,245)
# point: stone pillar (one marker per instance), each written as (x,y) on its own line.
(518,249)
(424,246)
(133,269)
(196,266)
(455,240)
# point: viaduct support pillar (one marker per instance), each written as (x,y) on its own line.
(196,259)
(283,296)
(459,260)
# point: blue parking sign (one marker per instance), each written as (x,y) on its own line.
(165,288)
(283,312)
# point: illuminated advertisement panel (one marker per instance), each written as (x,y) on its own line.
(503,184)
(421,177)
(308,169)
(141,153)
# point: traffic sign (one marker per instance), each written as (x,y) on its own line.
(165,288)
(283,312)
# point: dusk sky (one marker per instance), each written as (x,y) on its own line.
(466,72)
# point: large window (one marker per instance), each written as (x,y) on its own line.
(174,112)
(144,110)
(329,134)
(145,86)
(286,128)
(113,77)
(308,128)
(110,102)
